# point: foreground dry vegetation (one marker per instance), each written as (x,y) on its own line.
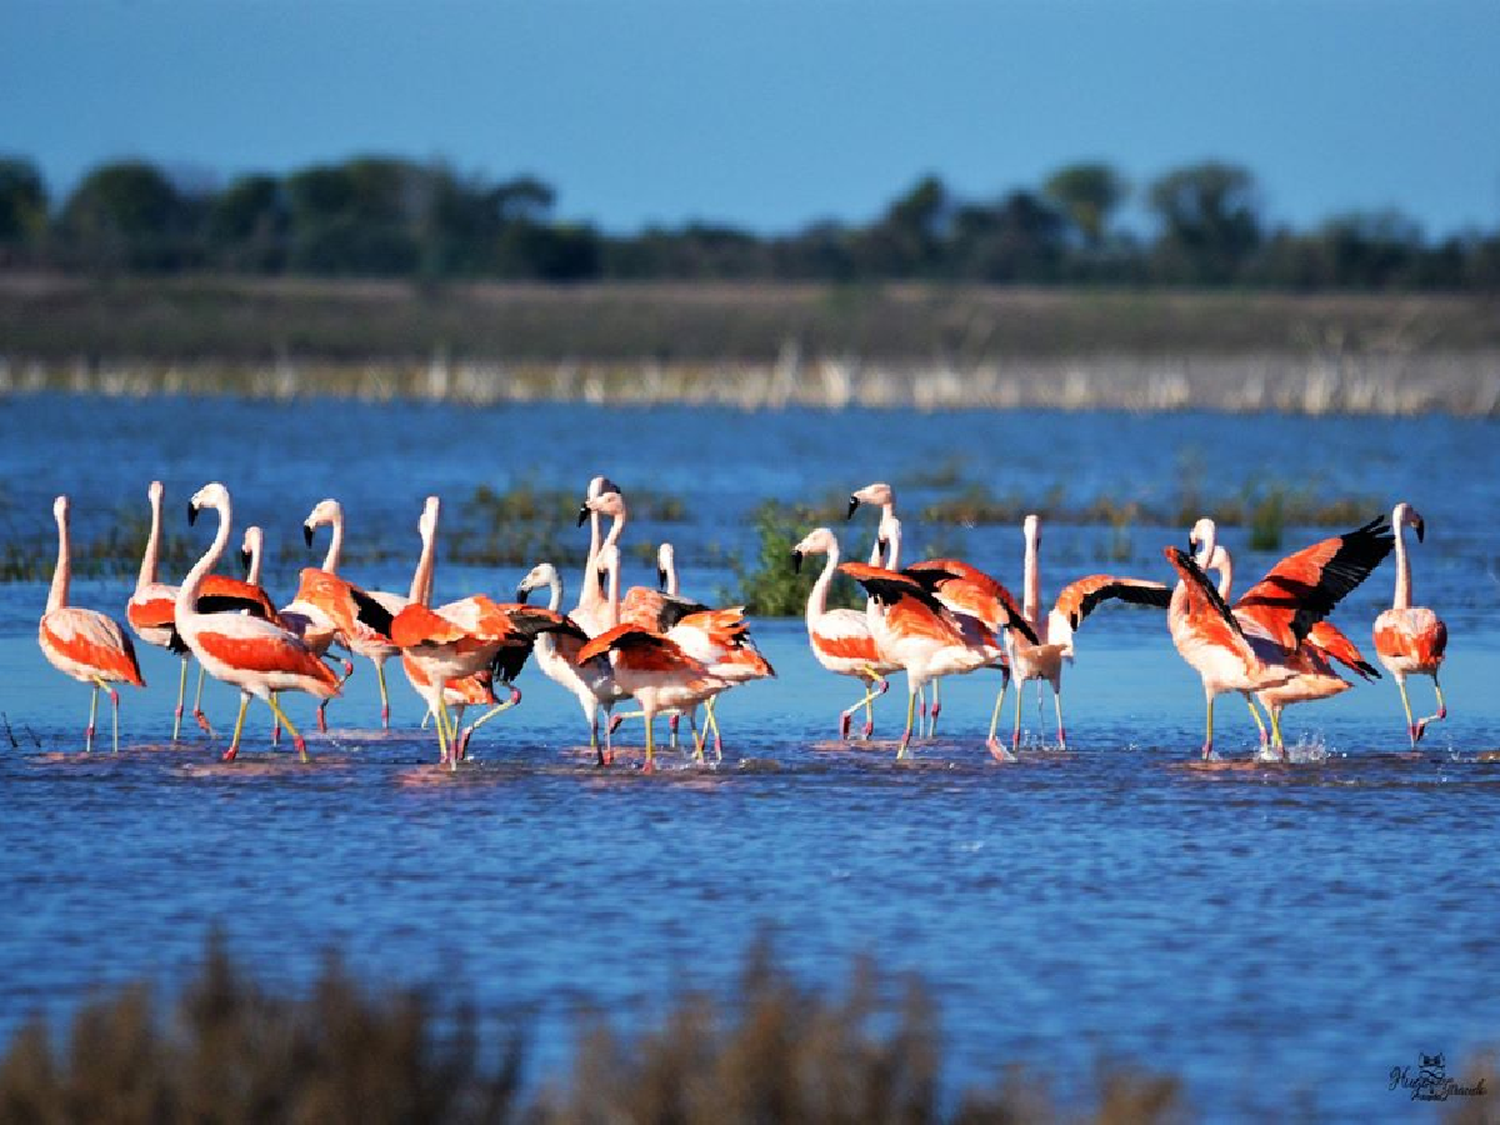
(230,1050)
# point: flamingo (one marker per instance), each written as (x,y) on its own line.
(476,690)
(656,671)
(914,631)
(591,682)
(1247,650)
(464,637)
(90,646)
(1040,656)
(152,608)
(257,656)
(964,590)
(841,639)
(590,612)
(1312,661)
(719,639)
(1411,640)
(363,616)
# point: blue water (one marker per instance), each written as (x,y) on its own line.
(1272,933)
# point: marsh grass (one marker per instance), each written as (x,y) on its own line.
(231,1050)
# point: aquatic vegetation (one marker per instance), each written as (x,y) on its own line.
(767,586)
(231,1049)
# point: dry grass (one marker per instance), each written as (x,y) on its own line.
(230,1051)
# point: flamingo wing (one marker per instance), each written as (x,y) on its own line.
(252,645)
(92,641)
(1079,599)
(844,634)
(417,625)
(971,591)
(1329,639)
(1304,587)
(643,650)
(1204,603)
(227,595)
(888,587)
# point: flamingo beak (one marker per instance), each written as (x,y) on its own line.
(1421,529)
(192,514)
(583,514)
(307,534)
(853,507)
(796,562)
(661,579)
(245,559)
(522,592)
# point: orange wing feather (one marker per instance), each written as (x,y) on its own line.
(94,641)
(270,653)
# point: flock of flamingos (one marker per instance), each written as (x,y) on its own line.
(671,655)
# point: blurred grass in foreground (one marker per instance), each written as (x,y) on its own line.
(231,1050)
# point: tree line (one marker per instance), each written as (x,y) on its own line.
(391,217)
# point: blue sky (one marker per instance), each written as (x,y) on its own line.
(770,115)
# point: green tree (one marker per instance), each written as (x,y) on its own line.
(128,215)
(1088,195)
(23,207)
(1210,221)
(248,224)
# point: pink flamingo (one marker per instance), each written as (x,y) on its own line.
(841,639)
(1041,654)
(88,645)
(913,630)
(256,656)
(151,610)
(1411,640)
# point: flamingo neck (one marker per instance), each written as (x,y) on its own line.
(1226,573)
(336,544)
(671,569)
(614,587)
(817,598)
(153,547)
(555,595)
(253,577)
(891,532)
(421,579)
(57,596)
(187,593)
(588,593)
(1031,583)
(1403,572)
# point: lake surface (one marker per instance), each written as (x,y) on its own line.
(1277,935)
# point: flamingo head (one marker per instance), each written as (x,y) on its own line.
(60,508)
(1031,528)
(606,504)
(665,564)
(543,574)
(819,541)
(428,521)
(154,493)
(212,495)
(597,488)
(324,512)
(254,541)
(1406,515)
(879,494)
(1203,538)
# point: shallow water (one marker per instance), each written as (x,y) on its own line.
(1271,932)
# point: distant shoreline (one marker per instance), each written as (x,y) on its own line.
(753,346)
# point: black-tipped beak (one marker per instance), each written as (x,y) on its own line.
(796,562)
(192,514)
(245,560)
(583,514)
(603,580)
(522,592)
(661,579)
(884,547)
(1421,530)
(853,507)
(307,534)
